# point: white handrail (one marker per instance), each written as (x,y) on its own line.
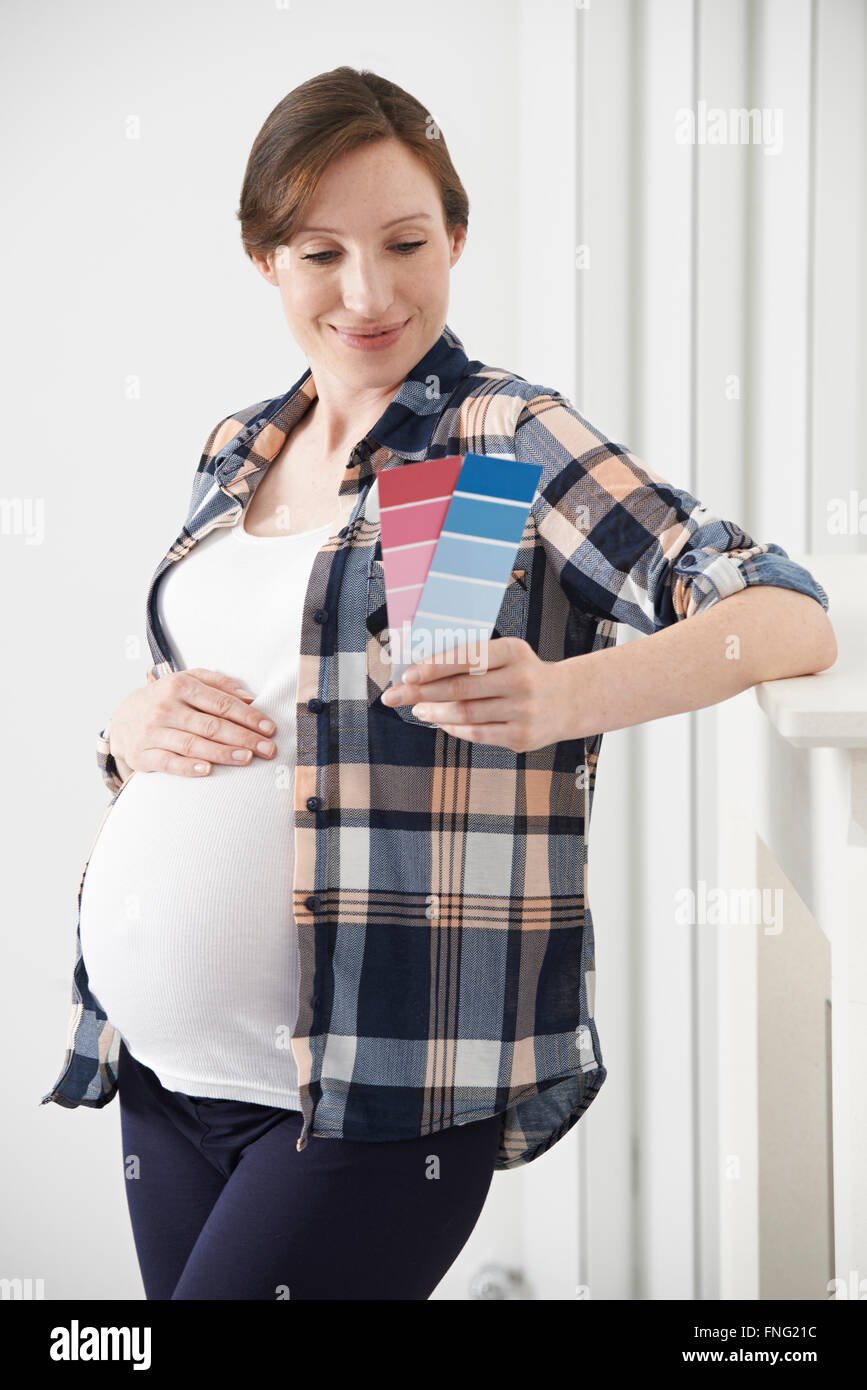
(829,710)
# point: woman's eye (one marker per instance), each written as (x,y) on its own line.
(404,248)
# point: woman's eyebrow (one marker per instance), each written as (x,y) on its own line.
(410,217)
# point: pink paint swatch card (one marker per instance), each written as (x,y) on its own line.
(413,502)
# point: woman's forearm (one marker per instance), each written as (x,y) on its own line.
(761,633)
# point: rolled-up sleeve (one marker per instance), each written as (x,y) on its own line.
(106,763)
(627,545)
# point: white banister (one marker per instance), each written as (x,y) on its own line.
(797,1113)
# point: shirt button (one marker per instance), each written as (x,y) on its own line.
(313,803)
(688,560)
(311,903)
(344,530)
(320,615)
(315,706)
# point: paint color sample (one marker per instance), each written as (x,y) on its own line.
(466,576)
(413,502)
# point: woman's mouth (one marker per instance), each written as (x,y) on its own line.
(370,342)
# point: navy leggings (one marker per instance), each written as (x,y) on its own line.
(223,1206)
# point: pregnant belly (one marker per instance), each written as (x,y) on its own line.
(186,917)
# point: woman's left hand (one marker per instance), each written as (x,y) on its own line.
(516,700)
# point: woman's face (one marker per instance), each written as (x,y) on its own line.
(345,269)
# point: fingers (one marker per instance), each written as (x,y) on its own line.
(162,760)
(209,736)
(204,673)
(188,754)
(496,710)
(465,686)
(213,683)
(478,658)
(234,752)
(216,714)
(200,719)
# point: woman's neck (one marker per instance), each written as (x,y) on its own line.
(335,424)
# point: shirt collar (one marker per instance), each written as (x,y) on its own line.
(404,428)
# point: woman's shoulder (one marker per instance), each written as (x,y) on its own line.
(542,415)
(482,379)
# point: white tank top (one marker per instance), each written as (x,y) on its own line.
(187,924)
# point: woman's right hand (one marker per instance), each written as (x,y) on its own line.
(184,722)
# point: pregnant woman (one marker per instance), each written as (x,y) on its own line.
(339,959)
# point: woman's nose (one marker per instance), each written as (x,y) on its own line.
(367,288)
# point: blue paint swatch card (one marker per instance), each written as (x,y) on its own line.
(473,560)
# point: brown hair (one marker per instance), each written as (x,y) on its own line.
(320,120)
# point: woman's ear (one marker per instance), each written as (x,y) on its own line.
(458,242)
(265,266)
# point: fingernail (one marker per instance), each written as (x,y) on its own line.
(245,694)
(267,726)
(265,747)
(201,767)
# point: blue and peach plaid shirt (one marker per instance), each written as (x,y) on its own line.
(446,941)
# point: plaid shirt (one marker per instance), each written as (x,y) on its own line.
(446,941)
